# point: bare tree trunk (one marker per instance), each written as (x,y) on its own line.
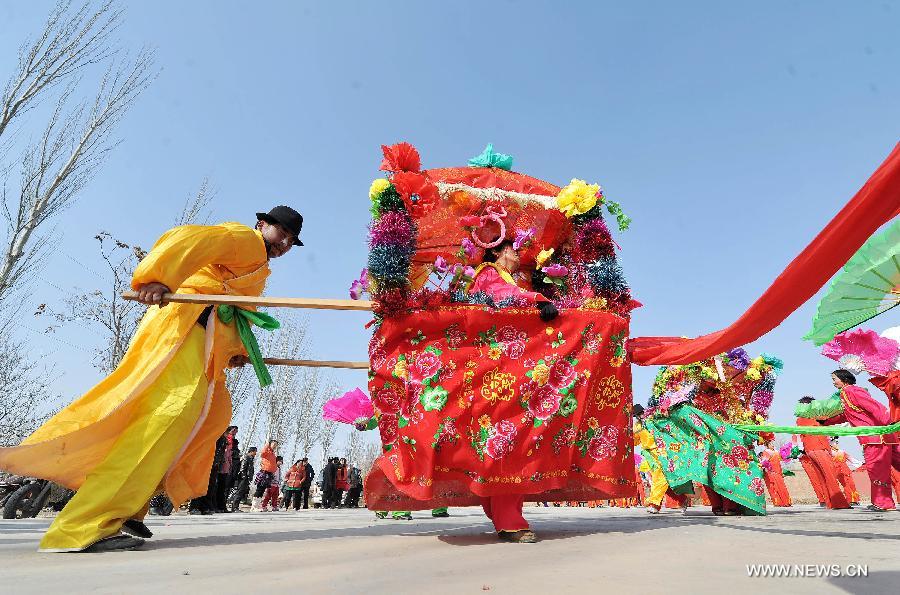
(75,141)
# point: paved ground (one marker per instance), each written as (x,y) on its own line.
(583,551)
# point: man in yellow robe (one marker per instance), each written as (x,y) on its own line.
(151,425)
(659,486)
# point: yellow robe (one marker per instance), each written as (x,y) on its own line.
(221,259)
(658,483)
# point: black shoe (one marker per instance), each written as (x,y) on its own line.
(155,512)
(205,512)
(115,543)
(195,511)
(137,528)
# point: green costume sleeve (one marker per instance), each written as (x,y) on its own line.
(820,408)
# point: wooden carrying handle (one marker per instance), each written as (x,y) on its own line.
(259,302)
(311,363)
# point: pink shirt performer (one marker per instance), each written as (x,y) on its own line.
(880,452)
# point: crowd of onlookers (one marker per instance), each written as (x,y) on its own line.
(235,480)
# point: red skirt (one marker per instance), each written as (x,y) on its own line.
(474,402)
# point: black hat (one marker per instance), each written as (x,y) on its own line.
(286,217)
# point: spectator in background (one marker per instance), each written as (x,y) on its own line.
(271,496)
(341,482)
(267,467)
(328,480)
(244,477)
(228,470)
(293,488)
(307,482)
(356,486)
(209,503)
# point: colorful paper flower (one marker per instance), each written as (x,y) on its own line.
(468,248)
(418,192)
(577,198)
(738,359)
(359,286)
(555,270)
(543,256)
(402,157)
(441,265)
(378,186)
(523,237)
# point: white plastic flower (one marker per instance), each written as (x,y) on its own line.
(852,363)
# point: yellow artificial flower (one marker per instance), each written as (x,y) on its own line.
(377,187)
(484,421)
(753,374)
(543,256)
(617,362)
(577,198)
(541,374)
(757,362)
(494,352)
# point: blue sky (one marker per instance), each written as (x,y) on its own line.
(730,133)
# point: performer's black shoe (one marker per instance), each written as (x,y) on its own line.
(137,528)
(115,543)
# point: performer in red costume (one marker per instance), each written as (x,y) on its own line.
(880,452)
(494,277)
(770,459)
(819,467)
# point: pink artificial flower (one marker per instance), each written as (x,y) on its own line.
(523,238)
(359,286)
(469,272)
(441,265)
(469,248)
(555,270)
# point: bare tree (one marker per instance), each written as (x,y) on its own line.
(76,139)
(196,209)
(326,438)
(105,309)
(25,392)
(367,459)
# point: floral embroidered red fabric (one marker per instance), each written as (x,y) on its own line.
(476,402)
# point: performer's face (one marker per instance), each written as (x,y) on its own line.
(509,259)
(837,382)
(278,240)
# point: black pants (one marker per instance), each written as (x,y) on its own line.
(353,495)
(224,483)
(207,503)
(327,497)
(304,494)
(294,495)
(337,495)
(240,492)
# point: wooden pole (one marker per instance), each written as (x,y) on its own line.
(310,363)
(264,302)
